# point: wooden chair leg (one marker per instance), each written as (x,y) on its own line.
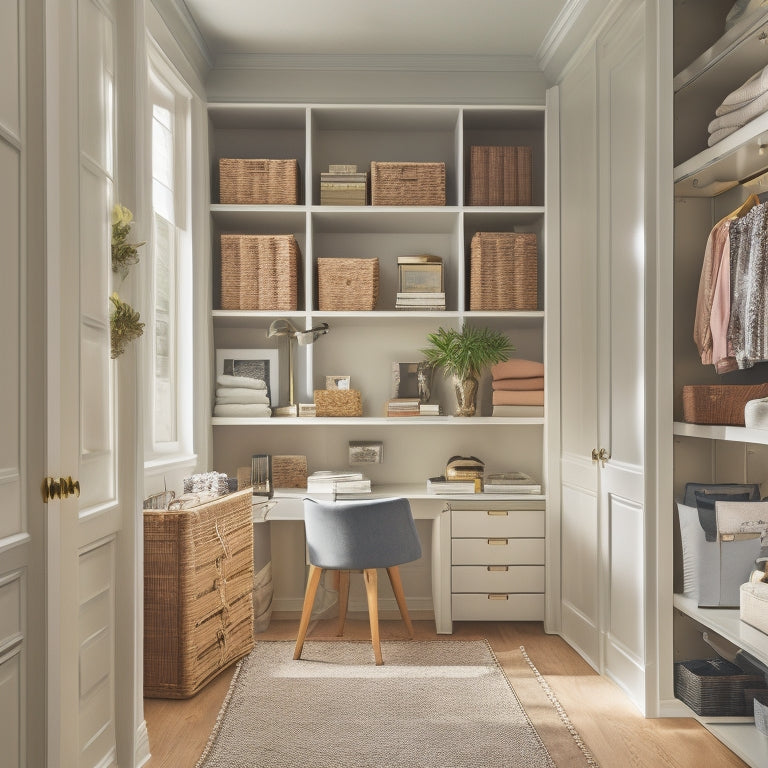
(397,588)
(309,600)
(371,590)
(343,600)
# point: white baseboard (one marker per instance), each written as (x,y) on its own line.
(142,746)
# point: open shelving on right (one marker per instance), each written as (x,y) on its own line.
(711,182)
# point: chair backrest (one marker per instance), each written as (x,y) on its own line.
(376,533)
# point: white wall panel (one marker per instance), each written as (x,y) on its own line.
(10,353)
(11,707)
(95,239)
(10,66)
(11,618)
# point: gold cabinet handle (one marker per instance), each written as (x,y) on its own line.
(498,597)
(497,513)
(497,568)
(498,542)
(63,488)
(595,454)
(73,486)
(603,455)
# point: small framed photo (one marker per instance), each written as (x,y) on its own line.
(254,364)
(420,274)
(366,452)
(337,382)
(412,380)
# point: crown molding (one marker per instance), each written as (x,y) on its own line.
(560,29)
(182,27)
(377,62)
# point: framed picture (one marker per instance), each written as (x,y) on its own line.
(412,380)
(366,452)
(337,382)
(253,363)
(420,274)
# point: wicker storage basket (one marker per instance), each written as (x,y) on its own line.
(499,176)
(719,403)
(714,687)
(259,272)
(198,585)
(347,284)
(289,471)
(244,181)
(338,402)
(503,271)
(407,183)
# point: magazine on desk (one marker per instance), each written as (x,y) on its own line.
(330,481)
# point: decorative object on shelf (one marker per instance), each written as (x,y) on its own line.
(402,406)
(518,383)
(756,413)
(499,176)
(337,382)
(338,402)
(407,183)
(343,185)
(286,328)
(411,380)
(261,475)
(124,326)
(463,355)
(307,410)
(366,452)
(259,272)
(420,283)
(464,468)
(503,271)
(250,366)
(289,471)
(719,403)
(248,181)
(347,285)
(124,254)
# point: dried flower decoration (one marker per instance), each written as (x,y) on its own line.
(124,325)
(124,254)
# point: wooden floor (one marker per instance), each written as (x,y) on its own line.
(616,734)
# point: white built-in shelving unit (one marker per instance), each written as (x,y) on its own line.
(364,345)
(709,183)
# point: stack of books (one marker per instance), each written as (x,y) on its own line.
(343,185)
(510,482)
(339,483)
(430,409)
(403,406)
(420,283)
(440,485)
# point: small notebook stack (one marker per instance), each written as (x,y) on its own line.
(403,406)
(343,185)
(329,481)
(510,482)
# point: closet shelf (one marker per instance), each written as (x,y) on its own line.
(740,156)
(365,421)
(721,432)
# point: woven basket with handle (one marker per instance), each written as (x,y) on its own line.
(247,181)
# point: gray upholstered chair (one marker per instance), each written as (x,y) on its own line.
(358,535)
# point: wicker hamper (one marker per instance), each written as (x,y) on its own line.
(347,284)
(259,272)
(246,181)
(407,183)
(499,176)
(503,271)
(714,686)
(719,403)
(198,585)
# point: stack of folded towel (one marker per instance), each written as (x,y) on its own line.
(518,388)
(241,396)
(740,106)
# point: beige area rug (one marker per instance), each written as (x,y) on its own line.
(433,704)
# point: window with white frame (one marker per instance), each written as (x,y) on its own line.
(167,427)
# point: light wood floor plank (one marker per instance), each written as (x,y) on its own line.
(615,732)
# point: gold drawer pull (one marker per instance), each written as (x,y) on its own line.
(497,513)
(494,568)
(498,542)
(498,597)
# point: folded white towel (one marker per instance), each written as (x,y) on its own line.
(741,116)
(240,381)
(257,398)
(749,91)
(232,409)
(720,135)
(239,391)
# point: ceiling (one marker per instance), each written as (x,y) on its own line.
(518,28)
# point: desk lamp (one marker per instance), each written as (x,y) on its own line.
(284,327)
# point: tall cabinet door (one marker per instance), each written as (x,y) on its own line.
(621,365)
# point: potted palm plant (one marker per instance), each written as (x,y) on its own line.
(464,355)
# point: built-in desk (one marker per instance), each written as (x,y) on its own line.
(286,504)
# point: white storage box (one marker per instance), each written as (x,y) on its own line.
(753,608)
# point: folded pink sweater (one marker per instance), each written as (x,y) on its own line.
(517,369)
(534,382)
(502,397)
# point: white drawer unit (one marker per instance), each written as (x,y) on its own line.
(497,564)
